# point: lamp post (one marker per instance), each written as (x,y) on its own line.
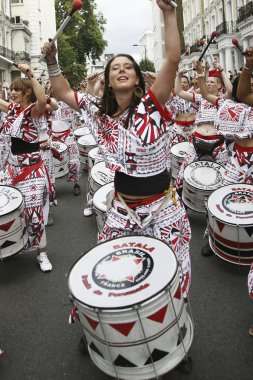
(145,50)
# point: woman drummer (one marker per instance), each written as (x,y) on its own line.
(24,168)
(130,128)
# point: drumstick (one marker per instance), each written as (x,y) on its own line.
(172,3)
(210,54)
(236,43)
(9,61)
(76,6)
(213,35)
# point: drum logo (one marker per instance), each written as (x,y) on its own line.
(239,202)
(122,269)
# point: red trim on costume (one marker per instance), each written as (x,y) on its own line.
(163,111)
(211,137)
(61,135)
(144,202)
(217,101)
(184,122)
(76,98)
(25,172)
(243,148)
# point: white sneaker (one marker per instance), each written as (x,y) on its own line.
(43,262)
(88,211)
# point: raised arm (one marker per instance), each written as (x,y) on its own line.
(41,102)
(164,82)
(202,83)
(178,87)
(60,85)
(225,79)
(244,90)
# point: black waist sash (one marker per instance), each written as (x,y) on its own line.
(19,146)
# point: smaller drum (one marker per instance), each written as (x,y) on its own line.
(201,178)
(94,157)
(178,153)
(230,223)
(60,153)
(99,203)
(85,144)
(79,132)
(131,308)
(99,175)
(13,231)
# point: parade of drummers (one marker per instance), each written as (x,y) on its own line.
(126,189)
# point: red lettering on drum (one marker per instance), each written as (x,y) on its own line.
(86,282)
(142,287)
(241,189)
(135,245)
(98,292)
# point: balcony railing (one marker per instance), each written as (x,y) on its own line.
(245,12)
(7,53)
(22,56)
(195,48)
(228,27)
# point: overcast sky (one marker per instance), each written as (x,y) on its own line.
(127,20)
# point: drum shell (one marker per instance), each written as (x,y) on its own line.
(61,165)
(178,153)
(94,157)
(17,232)
(230,241)
(99,175)
(85,144)
(99,203)
(97,327)
(82,131)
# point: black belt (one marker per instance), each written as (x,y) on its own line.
(205,148)
(19,146)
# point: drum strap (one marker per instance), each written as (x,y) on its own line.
(61,136)
(170,195)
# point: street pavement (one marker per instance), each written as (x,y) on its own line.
(39,343)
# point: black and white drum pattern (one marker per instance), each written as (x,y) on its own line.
(100,175)
(131,307)
(99,203)
(60,159)
(85,144)
(13,232)
(178,153)
(230,220)
(201,178)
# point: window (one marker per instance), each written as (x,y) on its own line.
(17,1)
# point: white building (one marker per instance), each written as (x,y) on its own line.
(158,35)
(146,45)
(5,40)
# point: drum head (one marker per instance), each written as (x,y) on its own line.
(180,149)
(86,140)
(10,199)
(122,272)
(81,132)
(204,175)
(59,146)
(93,153)
(101,174)
(233,204)
(99,198)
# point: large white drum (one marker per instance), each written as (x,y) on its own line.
(99,175)
(60,153)
(178,153)
(13,231)
(130,304)
(79,132)
(94,157)
(85,144)
(201,178)
(230,222)
(99,203)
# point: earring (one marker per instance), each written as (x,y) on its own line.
(138,91)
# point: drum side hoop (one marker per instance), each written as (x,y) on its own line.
(22,201)
(130,307)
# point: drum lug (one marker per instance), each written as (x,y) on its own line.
(185,366)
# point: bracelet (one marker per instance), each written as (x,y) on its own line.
(54,72)
(202,75)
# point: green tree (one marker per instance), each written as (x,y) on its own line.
(147,65)
(82,38)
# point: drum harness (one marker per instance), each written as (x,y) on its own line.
(170,195)
(205,150)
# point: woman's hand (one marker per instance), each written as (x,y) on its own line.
(181,72)
(249,58)
(25,69)
(198,67)
(50,51)
(165,5)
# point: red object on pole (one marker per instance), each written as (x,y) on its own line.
(236,43)
(213,35)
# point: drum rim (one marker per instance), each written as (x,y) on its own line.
(201,188)
(109,183)
(126,307)
(212,215)
(22,200)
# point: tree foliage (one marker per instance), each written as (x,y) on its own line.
(82,38)
(147,65)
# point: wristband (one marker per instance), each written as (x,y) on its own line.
(52,64)
(54,72)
